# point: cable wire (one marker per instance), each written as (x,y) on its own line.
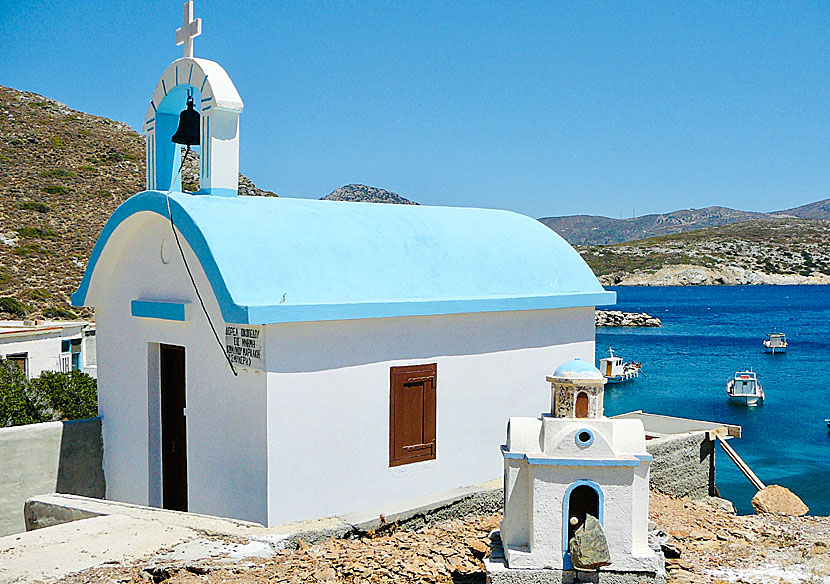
(187,267)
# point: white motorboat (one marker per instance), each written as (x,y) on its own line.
(745,389)
(775,343)
(616,371)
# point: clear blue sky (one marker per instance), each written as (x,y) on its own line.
(547,108)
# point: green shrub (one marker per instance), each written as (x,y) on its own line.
(35,206)
(57,312)
(36,232)
(56,141)
(56,173)
(64,396)
(13,306)
(57,190)
(38,294)
(30,249)
(16,407)
(86,168)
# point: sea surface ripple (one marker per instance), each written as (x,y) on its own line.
(708,333)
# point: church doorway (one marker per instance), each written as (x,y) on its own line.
(173,428)
(581,407)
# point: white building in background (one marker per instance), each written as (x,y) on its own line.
(43,345)
(326,357)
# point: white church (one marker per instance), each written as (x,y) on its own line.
(275,359)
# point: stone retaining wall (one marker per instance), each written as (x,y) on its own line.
(53,457)
(684,465)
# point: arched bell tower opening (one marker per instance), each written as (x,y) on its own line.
(219,105)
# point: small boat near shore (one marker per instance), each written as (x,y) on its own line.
(745,389)
(616,371)
(775,343)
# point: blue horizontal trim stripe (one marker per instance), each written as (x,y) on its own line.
(281,313)
(635,461)
(204,99)
(163,310)
(204,109)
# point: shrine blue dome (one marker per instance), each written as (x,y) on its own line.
(577,369)
(272,260)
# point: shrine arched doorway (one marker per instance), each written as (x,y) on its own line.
(582,498)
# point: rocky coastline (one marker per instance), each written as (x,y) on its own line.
(691,275)
(619,318)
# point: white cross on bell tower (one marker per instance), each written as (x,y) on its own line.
(190,30)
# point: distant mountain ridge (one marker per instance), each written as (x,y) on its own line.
(598,230)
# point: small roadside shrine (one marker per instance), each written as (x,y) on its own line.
(274,359)
(576,491)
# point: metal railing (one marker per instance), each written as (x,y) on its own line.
(65,362)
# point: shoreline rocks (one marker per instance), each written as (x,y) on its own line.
(691,275)
(619,318)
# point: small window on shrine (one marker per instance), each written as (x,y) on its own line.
(412,414)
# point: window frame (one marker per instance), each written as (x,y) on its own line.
(398,376)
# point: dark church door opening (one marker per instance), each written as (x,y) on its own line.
(173,429)
(583,501)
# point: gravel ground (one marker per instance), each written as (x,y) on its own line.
(714,546)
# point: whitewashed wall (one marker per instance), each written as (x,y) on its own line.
(225,415)
(328,398)
(316,442)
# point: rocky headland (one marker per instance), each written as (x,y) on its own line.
(765,251)
(366,194)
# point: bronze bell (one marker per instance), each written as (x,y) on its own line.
(188,130)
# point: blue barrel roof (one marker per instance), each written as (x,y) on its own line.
(288,260)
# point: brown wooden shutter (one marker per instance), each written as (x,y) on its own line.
(412,405)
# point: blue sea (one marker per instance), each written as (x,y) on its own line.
(708,333)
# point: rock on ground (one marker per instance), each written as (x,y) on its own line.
(779,500)
(588,547)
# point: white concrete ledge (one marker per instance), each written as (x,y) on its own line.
(55,509)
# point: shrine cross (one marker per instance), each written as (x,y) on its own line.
(190,30)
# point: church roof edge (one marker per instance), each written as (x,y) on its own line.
(275,260)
